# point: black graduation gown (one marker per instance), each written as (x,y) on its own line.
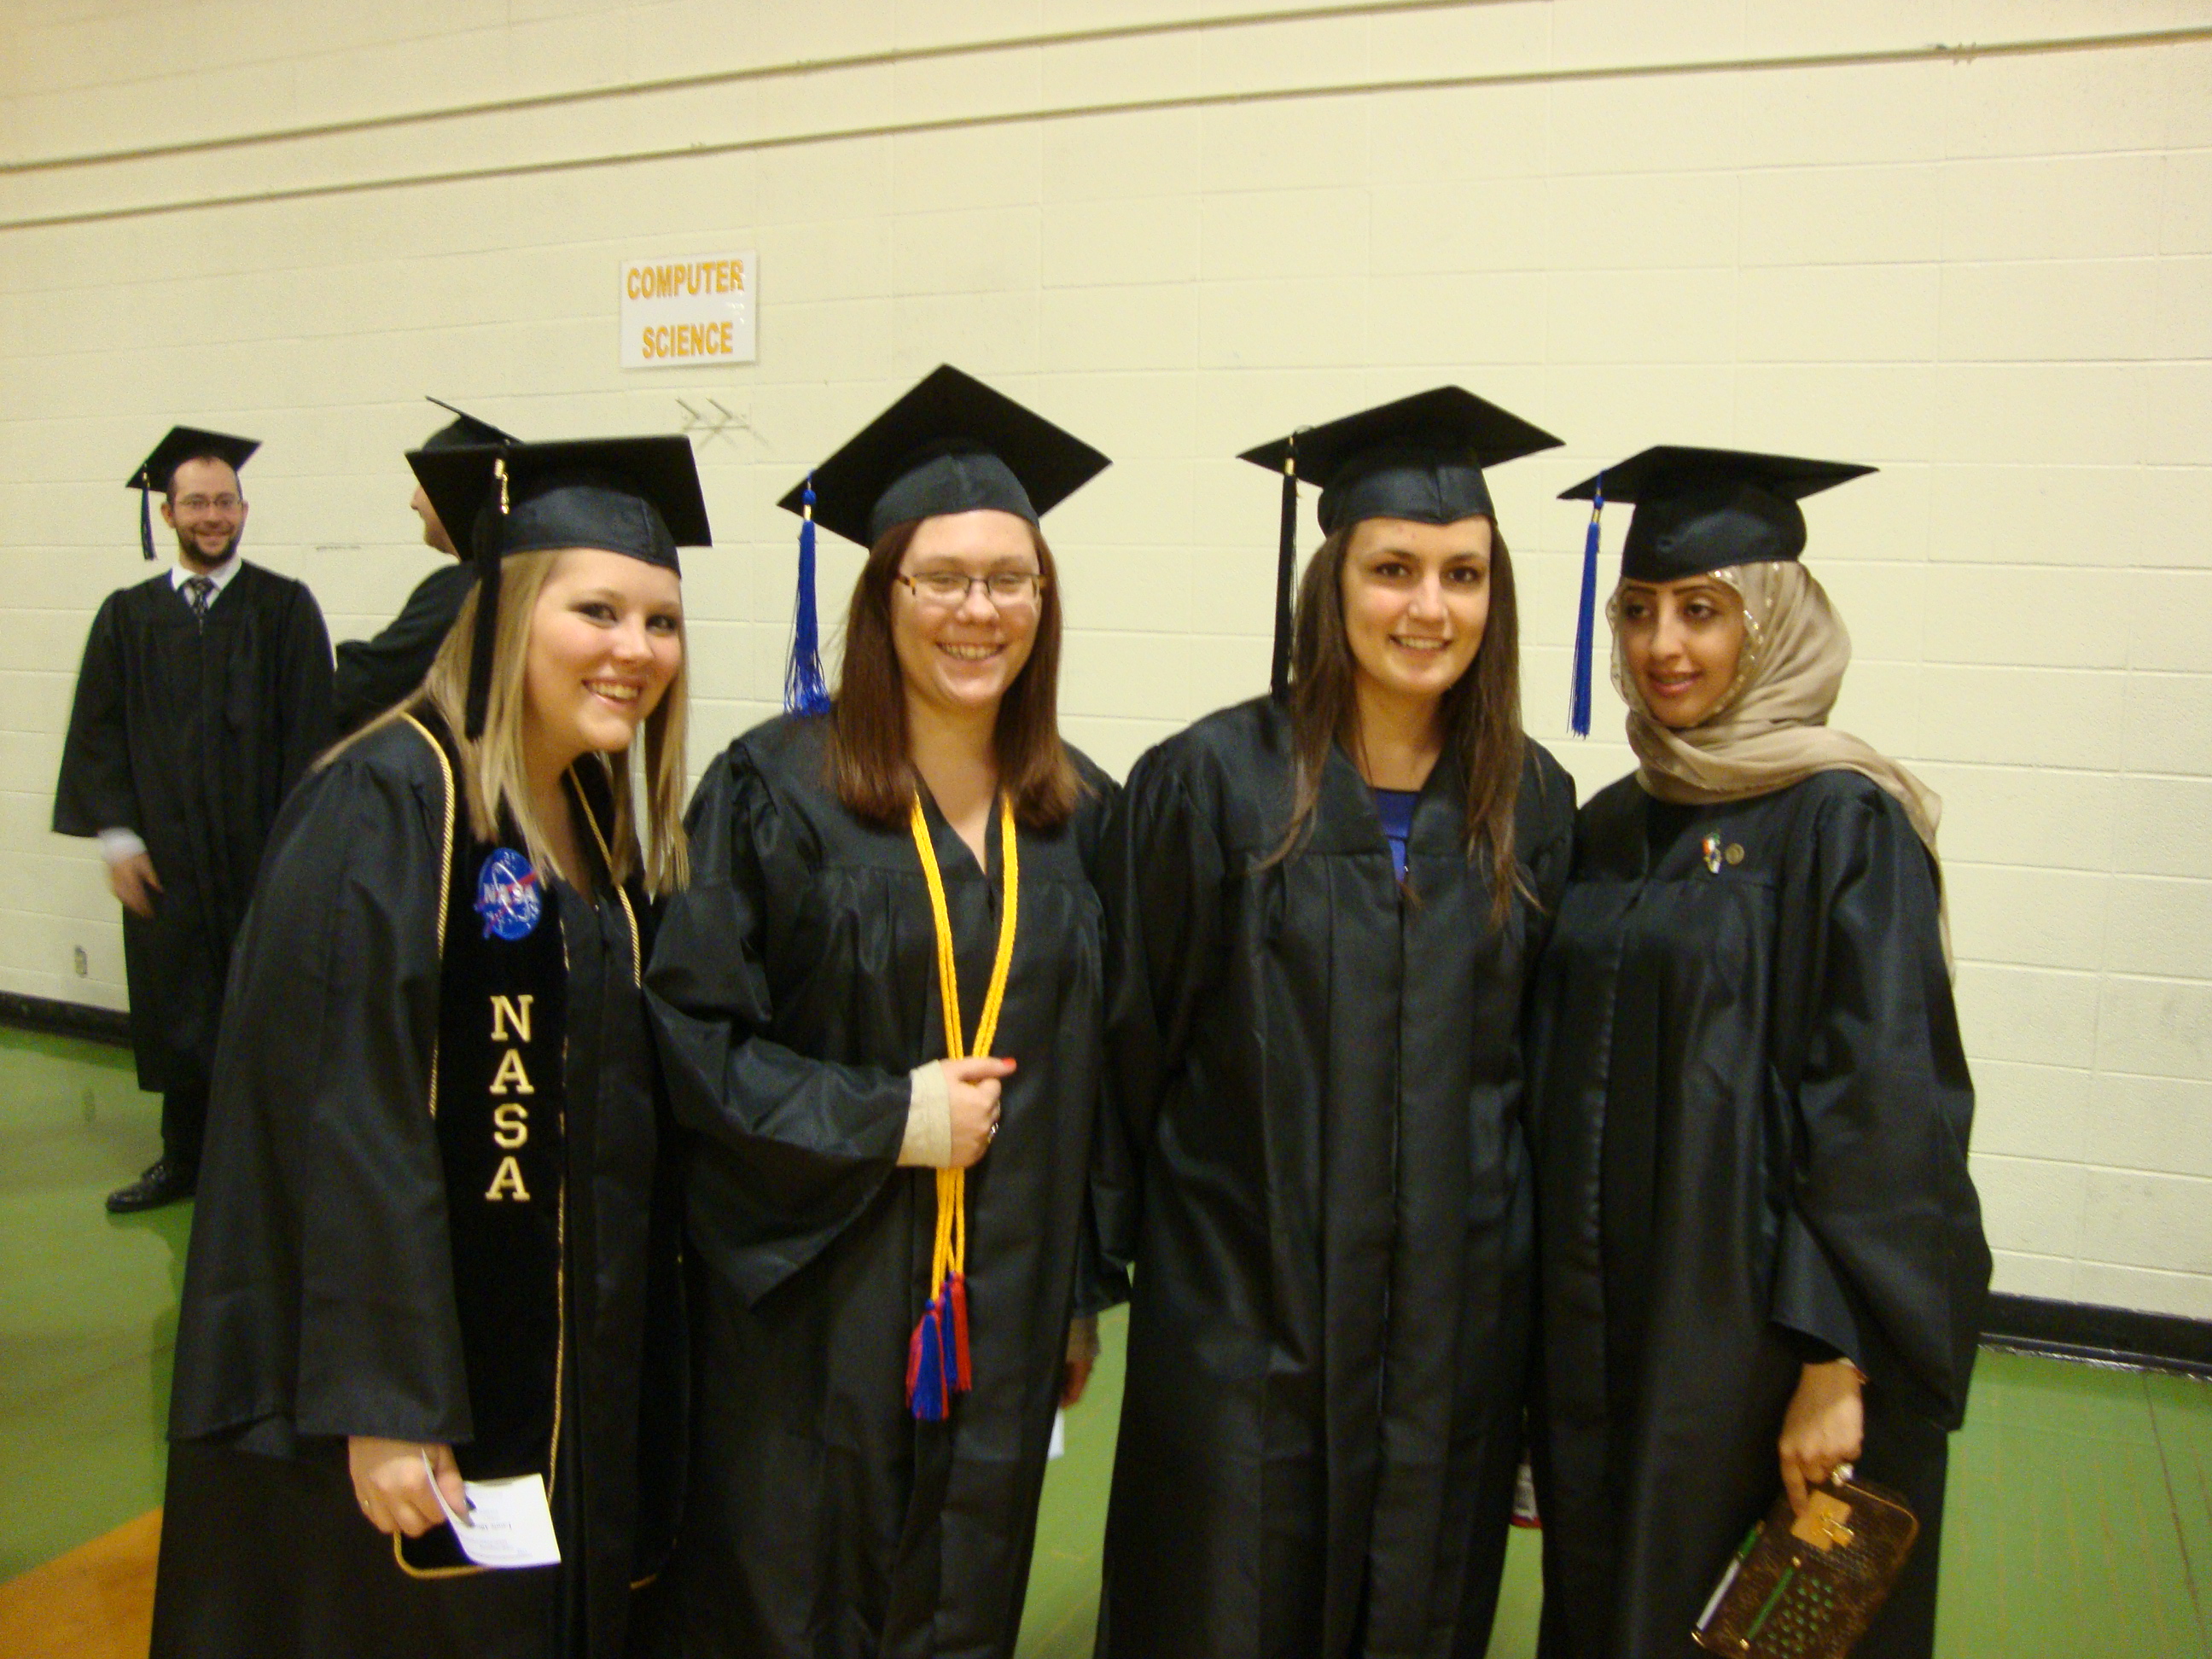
(374,674)
(1317,1167)
(1750,1127)
(193,738)
(320,1296)
(795,987)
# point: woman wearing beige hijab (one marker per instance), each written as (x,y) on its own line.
(1761,1256)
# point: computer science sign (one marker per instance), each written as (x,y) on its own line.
(676,313)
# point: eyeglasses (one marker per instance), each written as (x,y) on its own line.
(203,503)
(948,590)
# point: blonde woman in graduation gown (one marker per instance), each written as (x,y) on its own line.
(437,1230)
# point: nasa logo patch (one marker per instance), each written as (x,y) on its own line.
(507,896)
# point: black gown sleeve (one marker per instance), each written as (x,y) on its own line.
(1095,1286)
(94,790)
(372,675)
(304,710)
(1882,1256)
(793,1148)
(1162,880)
(318,1297)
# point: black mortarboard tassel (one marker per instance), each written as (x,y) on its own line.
(1287,560)
(183,443)
(636,497)
(1420,457)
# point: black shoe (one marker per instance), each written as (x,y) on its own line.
(164,1182)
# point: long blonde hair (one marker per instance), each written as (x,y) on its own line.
(492,776)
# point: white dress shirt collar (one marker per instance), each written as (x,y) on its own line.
(220,577)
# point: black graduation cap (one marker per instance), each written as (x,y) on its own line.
(464,430)
(637,496)
(951,445)
(1420,457)
(1703,509)
(183,443)
(1696,510)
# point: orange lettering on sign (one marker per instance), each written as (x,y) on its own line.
(689,340)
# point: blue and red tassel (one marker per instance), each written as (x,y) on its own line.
(937,1363)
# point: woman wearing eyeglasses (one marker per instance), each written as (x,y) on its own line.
(879,1004)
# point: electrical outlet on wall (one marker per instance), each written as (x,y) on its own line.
(83,967)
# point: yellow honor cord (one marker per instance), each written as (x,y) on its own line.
(949,1255)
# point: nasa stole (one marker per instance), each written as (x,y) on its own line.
(498,1092)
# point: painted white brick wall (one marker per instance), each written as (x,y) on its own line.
(1784,226)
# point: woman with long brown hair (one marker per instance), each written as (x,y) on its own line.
(1324,907)
(437,1238)
(880,1005)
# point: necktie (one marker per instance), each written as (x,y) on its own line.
(200,589)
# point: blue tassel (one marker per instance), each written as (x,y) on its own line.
(1578,711)
(805,690)
(925,1367)
(146,523)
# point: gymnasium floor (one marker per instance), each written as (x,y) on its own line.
(2080,1522)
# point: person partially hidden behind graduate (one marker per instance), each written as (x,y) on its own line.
(205,691)
(1325,906)
(439,1223)
(1762,1255)
(885,1233)
(374,674)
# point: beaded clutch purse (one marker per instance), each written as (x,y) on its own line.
(1806,1586)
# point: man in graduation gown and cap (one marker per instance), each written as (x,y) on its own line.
(374,674)
(204,693)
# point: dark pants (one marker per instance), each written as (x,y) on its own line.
(184,1124)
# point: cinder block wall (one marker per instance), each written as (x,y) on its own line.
(1792,226)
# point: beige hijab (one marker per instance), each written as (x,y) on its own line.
(1771,729)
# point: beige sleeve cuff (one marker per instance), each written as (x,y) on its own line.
(928,1143)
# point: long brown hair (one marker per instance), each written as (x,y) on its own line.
(492,777)
(1481,711)
(869,762)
